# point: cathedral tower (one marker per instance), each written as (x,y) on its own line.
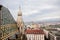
(20,21)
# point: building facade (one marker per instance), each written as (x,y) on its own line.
(54,35)
(35,34)
(47,32)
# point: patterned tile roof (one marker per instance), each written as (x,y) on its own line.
(6,17)
(8,26)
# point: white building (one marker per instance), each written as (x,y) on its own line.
(35,34)
(46,31)
(54,35)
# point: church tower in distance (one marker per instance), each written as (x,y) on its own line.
(20,22)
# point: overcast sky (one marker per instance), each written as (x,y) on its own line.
(34,10)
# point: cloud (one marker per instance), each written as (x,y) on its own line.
(34,10)
(47,9)
(31,12)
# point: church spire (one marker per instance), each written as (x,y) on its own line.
(19,12)
(20,21)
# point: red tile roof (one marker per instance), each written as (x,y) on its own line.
(34,31)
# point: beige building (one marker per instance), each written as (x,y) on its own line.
(35,34)
(54,35)
(46,33)
(34,26)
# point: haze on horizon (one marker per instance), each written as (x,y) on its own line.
(34,10)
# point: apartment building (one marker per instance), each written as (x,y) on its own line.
(35,34)
(54,35)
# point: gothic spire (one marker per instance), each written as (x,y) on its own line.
(19,12)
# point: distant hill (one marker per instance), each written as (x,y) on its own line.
(55,20)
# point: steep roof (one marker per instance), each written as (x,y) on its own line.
(5,16)
(7,23)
